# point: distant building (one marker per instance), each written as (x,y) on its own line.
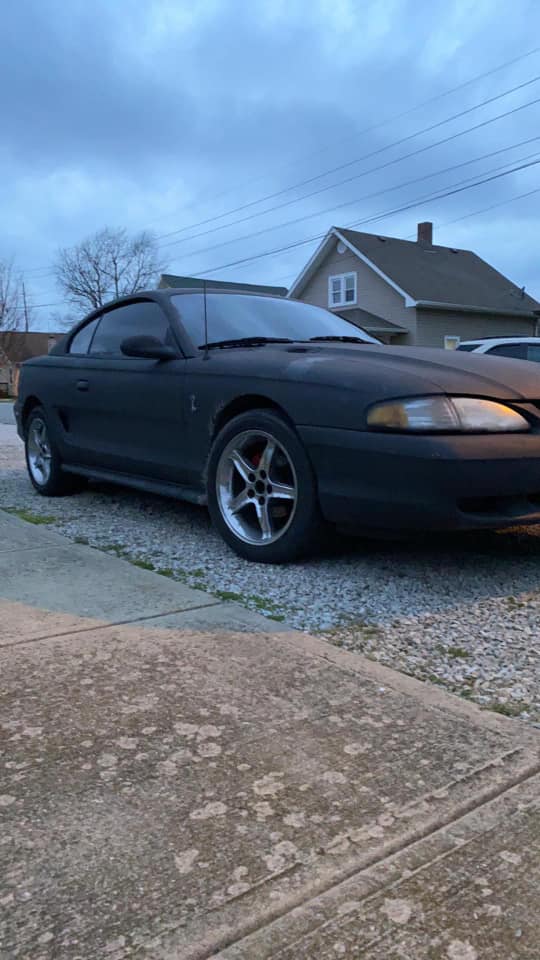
(168,281)
(17,346)
(414,292)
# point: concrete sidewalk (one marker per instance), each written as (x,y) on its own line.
(180,779)
(6,412)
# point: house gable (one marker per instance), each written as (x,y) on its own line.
(374,294)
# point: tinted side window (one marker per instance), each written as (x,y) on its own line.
(81,341)
(191,309)
(467,346)
(517,350)
(533,352)
(130,320)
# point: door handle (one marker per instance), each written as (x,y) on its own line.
(82,384)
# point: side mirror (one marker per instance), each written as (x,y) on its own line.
(146,347)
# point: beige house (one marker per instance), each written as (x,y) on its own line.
(16,346)
(414,292)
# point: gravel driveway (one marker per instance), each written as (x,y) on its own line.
(462,611)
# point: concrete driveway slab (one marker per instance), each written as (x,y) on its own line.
(467,892)
(183,789)
(41,570)
(16,535)
(76,580)
(169,793)
(6,413)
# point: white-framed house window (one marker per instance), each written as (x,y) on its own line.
(451,342)
(342,290)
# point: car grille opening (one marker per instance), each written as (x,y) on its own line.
(508,506)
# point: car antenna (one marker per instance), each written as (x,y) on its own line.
(205,322)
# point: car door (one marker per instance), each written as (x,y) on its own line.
(127,414)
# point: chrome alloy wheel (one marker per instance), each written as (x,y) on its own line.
(256,487)
(39,451)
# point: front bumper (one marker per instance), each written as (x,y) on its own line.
(399,483)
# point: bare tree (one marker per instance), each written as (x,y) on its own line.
(11,297)
(107,265)
(61,322)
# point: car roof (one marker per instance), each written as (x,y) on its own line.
(492,341)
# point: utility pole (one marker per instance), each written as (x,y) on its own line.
(25,308)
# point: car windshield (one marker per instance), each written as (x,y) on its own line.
(233,317)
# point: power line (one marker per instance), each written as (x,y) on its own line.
(377,126)
(439,226)
(289,276)
(350,163)
(409,206)
(492,206)
(358,159)
(368,196)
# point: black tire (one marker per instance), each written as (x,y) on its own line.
(301,531)
(58,483)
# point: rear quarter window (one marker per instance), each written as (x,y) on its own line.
(80,343)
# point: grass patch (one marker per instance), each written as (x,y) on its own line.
(143,564)
(115,548)
(508,709)
(166,572)
(229,595)
(30,517)
(459,653)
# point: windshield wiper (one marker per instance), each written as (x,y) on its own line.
(338,339)
(244,342)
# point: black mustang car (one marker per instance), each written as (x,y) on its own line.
(281,416)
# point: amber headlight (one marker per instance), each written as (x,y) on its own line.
(446,414)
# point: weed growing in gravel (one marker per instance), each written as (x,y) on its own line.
(433,678)
(509,709)
(143,564)
(228,595)
(513,602)
(31,517)
(459,653)
(83,540)
(116,548)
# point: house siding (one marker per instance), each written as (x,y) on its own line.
(433,325)
(373,293)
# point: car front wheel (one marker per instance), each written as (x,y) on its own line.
(262,494)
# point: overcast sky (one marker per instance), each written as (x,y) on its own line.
(162,114)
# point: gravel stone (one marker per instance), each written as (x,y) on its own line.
(459,610)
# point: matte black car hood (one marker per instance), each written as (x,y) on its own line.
(413,370)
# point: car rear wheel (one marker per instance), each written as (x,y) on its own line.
(262,494)
(43,461)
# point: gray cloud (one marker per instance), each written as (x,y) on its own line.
(166,113)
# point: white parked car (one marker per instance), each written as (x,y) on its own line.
(521,348)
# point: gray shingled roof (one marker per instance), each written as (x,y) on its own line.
(168,280)
(441,274)
(370,321)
